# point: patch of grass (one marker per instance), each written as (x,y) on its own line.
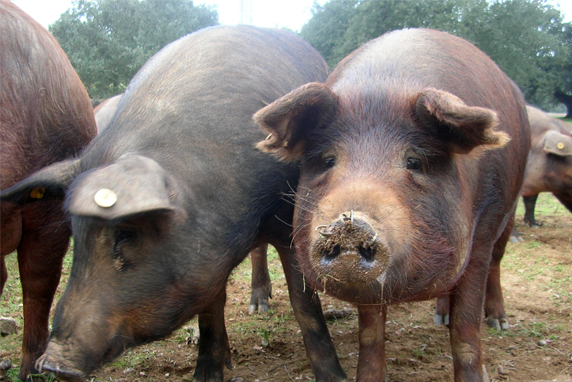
(546,204)
(244,271)
(11,301)
(265,336)
(134,359)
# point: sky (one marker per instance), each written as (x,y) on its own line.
(266,13)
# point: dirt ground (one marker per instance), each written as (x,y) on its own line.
(537,284)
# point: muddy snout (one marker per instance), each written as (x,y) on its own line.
(349,249)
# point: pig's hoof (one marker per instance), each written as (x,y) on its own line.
(441,319)
(261,308)
(259,301)
(211,376)
(497,323)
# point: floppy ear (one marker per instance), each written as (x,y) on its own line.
(288,119)
(133,185)
(462,127)
(557,144)
(49,182)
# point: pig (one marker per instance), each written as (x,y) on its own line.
(45,117)
(172,195)
(412,155)
(261,286)
(104,112)
(549,167)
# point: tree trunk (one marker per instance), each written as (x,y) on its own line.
(566,100)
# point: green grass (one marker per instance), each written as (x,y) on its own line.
(244,271)
(546,204)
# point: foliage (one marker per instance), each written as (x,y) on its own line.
(107,41)
(526,38)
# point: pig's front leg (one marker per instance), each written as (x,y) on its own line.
(214,349)
(371,363)
(467,302)
(308,310)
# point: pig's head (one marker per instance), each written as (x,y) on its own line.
(126,285)
(549,166)
(383,209)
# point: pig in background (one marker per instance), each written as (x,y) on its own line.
(45,117)
(549,167)
(412,157)
(172,195)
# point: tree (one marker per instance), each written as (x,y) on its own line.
(107,41)
(526,38)
(566,100)
(326,29)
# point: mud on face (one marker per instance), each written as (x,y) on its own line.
(350,249)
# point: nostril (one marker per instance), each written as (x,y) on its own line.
(368,254)
(333,253)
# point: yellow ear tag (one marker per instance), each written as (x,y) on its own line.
(37,193)
(560,145)
(105,198)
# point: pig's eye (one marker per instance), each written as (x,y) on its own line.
(329,162)
(415,164)
(122,237)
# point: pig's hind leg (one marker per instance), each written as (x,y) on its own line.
(494,302)
(261,287)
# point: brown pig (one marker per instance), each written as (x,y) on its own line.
(549,167)
(412,156)
(45,117)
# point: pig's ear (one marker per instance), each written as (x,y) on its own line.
(288,119)
(49,182)
(462,127)
(132,185)
(557,144)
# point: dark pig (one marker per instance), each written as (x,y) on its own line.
(45,117)
(549,167)
(261,287)
(172,195)
(105,111)
(412,157)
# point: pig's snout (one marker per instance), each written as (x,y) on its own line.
(349,250)
(51,361)
(349,236)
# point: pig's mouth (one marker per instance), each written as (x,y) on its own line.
(74,367)
(349,255)
(353,260)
